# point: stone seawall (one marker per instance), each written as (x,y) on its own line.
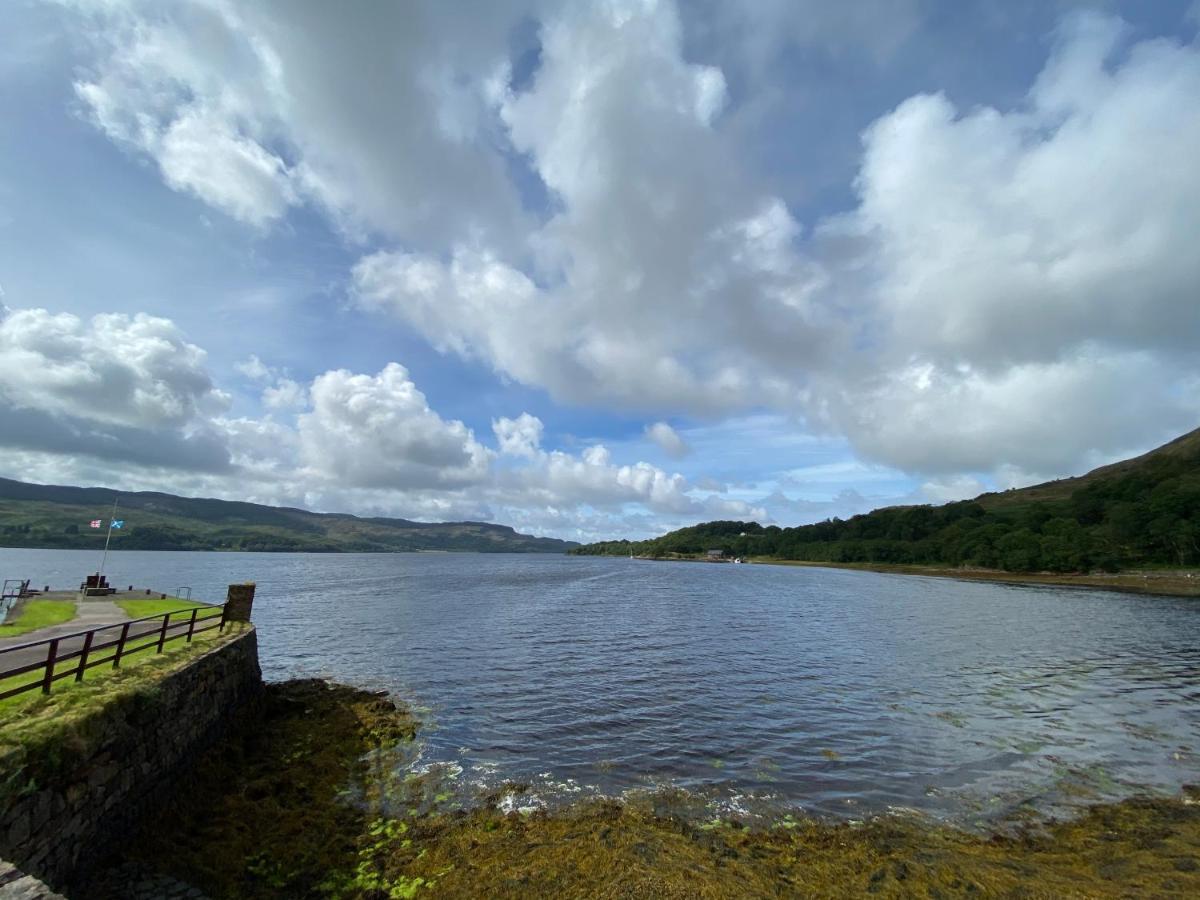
(64,806)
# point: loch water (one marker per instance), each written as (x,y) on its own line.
(756,688)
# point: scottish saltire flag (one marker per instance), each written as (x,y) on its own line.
(117,523)
(95,523)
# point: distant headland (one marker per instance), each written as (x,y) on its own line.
(58,517)
(1137,514)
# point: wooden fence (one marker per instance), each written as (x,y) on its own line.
(84,650)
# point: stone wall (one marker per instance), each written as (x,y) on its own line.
(76,801)
(16,885)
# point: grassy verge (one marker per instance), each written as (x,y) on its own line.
(1166,582)
(99,683)
(34,614)
(308,802)
(138,609)
(65,729)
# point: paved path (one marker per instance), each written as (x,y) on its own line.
(88,614)
(92,613)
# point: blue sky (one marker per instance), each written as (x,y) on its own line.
(595,270)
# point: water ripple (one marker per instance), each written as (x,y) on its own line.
(845,693)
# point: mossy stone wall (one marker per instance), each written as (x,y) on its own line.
(79,797)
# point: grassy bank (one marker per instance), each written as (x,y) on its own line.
(40,733)
(101,684)
(1165,582)
(140,609)
(309,802)
(31,615)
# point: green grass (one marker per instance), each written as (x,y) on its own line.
(36,614)
(50,734)
(139,609)
(102,682)
(136,609)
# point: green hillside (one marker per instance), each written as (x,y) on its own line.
(1137,513)
(36,515)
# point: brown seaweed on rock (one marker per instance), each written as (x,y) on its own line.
(269,814)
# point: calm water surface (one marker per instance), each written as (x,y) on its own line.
(754,687)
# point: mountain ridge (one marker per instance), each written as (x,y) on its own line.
(56,516)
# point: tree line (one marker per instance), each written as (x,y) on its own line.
(1148,515)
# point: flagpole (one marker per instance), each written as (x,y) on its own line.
(107,538)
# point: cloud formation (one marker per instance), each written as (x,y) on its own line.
(132,394)
(569,196)
(1031,266)
(998,264)
(668,440)
(379,432)
(258,108)
(666,280)
(116,369)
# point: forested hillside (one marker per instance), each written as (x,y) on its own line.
(1137,513)
(36,515)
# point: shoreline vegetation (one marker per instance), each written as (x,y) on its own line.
(1165,583)
(1157,582)
(311,799)
(1129,525)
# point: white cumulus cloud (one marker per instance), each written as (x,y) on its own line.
(378,431)
(668,440)
(125,370)
(521,436)
(1010,288)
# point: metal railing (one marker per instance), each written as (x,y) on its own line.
(151,631)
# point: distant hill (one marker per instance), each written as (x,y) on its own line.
(52,516)
(1135,513)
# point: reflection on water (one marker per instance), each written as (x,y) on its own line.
(845,693)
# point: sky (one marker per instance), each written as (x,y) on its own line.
(595,270)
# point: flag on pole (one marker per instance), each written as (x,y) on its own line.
(118,523)
(95,523)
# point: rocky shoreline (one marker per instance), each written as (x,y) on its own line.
(1166,583)
(292,805)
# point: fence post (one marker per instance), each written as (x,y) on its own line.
(192,624)
(162,635)
(51,656)
(83,655)
(121,645)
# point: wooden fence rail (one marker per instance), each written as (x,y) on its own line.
(88,647)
